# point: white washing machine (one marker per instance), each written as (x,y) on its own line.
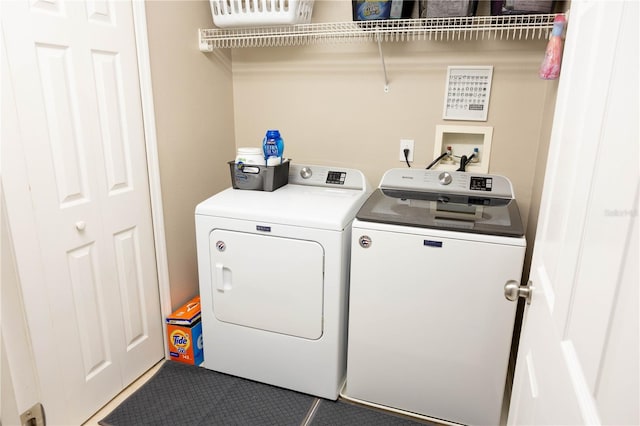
(273,270)
(430,328)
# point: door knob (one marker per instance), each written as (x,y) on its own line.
(80,225)
(513,290)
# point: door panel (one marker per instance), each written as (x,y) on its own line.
(89,309)
(565,371)
(111,111)
(266,282)
(131,280)
(59,94)
(73,71)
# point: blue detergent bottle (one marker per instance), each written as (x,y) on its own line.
(273,147)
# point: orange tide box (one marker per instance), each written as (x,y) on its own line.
(184,332)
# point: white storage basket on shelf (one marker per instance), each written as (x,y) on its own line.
(247,13)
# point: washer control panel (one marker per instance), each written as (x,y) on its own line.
(481,183)
(451,182)
(336,178)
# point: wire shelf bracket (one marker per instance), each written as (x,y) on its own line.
(204,45)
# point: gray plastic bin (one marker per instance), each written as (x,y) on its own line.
(259,178)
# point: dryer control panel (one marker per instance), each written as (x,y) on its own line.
(326,176)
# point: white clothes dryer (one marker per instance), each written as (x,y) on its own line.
(273,272)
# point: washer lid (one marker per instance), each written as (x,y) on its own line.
(446,211)
(295,205)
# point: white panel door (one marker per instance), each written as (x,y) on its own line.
(578,357)
(88,273)
(267,282)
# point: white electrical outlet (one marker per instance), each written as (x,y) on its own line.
(406,144)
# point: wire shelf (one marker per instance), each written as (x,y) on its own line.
(506,27)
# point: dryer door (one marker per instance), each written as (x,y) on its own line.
(267,282)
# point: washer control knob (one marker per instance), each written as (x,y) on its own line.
(445,178)
(306,172)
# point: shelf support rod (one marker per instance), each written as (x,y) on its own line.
(384,68)
(203,45)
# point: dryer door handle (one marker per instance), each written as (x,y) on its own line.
(223,280)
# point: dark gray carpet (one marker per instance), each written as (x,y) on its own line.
(339,413)
(180,394)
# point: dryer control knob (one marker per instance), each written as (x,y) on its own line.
(306,172)
(445,178)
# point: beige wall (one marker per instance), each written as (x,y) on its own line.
(539,174)
(194,123)
(329,104)
(331,108)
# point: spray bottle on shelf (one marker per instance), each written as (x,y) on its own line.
(550,68)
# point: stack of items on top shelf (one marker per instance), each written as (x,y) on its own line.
(519,7)
(447,8)
(364,10)
(251,13)
(452,8)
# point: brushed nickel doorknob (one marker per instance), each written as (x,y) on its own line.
(513,290)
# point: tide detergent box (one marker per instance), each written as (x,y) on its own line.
(184,332)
